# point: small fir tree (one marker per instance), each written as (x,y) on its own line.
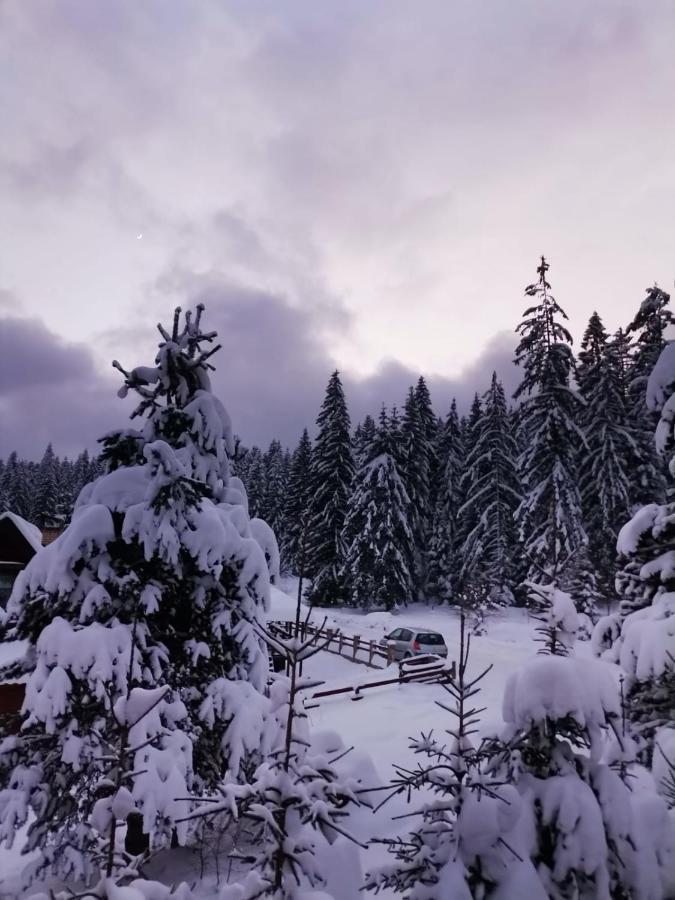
(299,799)
(468,842)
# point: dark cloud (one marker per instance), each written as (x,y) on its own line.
(50,390)
(32,356)
(271,374)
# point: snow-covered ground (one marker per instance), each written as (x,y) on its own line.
(379,725)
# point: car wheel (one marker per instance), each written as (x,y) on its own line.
(407,655)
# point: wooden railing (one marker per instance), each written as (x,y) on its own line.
(351,647)
(424,669)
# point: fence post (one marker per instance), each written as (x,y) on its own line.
(357,641)
(330,635)
(390,654)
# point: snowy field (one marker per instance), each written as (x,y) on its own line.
(381,723)
(378,726)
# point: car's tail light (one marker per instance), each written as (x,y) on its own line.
(416,645)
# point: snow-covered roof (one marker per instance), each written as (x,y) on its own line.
(30,532)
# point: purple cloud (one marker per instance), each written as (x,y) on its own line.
(271,374)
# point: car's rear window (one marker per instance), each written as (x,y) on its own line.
(430,637)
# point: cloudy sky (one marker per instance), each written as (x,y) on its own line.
(363,184)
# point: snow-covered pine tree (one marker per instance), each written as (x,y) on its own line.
(47,490)
(472,838)
(415,461)
(298,499)
(645,645)
(443,558)
(429,426)
(491,489)
(620,347)
(18,497)
(377,533)
(332,476)
(648,329)
(607,460)
(363,437)
(467,514)
(156,583)
(549,517)
(274,497)
(649,325)
(599,827)
(253,477)
(394,427)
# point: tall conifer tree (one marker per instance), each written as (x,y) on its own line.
(492,494)
(274,497)
(415,453)
(609,456)
(377,533)
(549,516)
(298,501)
(46,503)
(467,513)
(332,476)
(648,330)
(443,557)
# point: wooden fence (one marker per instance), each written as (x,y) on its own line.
(351,647)
(421,669)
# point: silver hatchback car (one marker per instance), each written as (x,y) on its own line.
(408,642)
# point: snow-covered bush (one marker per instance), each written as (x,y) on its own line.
(132,889)
(265,536)
(644,633)
(567,752)
(558,619)
(157,583)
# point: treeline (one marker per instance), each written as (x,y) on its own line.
(475,508)
(45,492)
